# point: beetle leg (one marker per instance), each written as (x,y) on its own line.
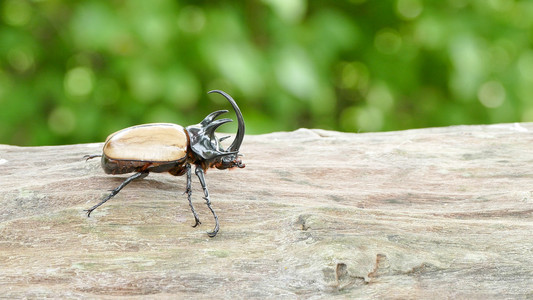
(87,157)
(189,194)
(200,173)
(139,175)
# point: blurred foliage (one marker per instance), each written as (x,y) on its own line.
(74,71)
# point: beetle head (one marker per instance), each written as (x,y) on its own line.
(206,146)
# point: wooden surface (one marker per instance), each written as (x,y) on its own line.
(444,213)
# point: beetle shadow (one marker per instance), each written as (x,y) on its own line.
(147,183)
(156,183)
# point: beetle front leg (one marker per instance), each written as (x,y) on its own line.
(200,173)
(189,194)
(139,175)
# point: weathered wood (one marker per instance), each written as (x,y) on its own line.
(445,212)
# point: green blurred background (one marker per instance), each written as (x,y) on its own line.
(75,71)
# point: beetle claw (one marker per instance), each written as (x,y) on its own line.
(215,230)
(196,222)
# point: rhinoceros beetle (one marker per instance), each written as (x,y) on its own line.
(165,147)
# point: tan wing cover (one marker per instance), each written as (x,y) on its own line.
(157,142)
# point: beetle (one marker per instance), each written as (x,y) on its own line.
(166,147)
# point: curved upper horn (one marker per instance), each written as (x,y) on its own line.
(212,116)
(240,131)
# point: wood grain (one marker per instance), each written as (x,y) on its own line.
(444,212)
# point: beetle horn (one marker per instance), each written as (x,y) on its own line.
(211,127)
(212,116)
(240,131)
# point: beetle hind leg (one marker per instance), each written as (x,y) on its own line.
(200,173)
(139,175)
(188,190)
(87,157)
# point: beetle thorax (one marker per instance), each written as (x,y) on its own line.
(206,147)
(207,150)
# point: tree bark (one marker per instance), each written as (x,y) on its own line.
(438,212)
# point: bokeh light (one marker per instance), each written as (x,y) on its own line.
(78,82)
